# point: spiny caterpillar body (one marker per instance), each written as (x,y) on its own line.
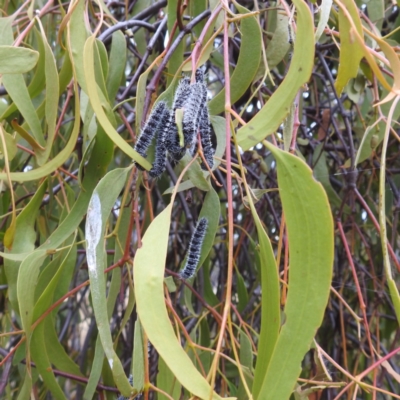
(192,99)
(205,129)
(152,126)
(160,156)
(196,243)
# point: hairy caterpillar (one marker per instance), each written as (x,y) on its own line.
(172,140)
(160,156)
(196,243)
(153,124)
(205,135)
(182,93)
(196,101)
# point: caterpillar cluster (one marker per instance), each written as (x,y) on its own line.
(161,124)
(193,255)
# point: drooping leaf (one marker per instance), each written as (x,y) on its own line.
(310,235)
(101,203)
(149,290)
(247,64)
(268,119)
(279,45)
(98,107)
(350,50)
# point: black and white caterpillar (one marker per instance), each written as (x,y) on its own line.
(162,124)
(205,136)
(182,94)
(203,125)
(196,243)
(150,128)
(160,156)
(193,109)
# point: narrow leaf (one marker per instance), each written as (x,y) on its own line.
(101,203)
(149,268)
(98,108)
(247,64)
(278,106)
(310,234)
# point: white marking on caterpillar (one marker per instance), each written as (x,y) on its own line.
(160,156)
(93,232)
(196,101)
(196,243)
(182,95)
(152,125)
(205,135)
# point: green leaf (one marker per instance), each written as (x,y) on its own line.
(376,12)
(17,60)
(140,98)
(11,145)
(117,64)
(43,364)
(52,95)
(279,45)
(176,59)
(6,32)
(246,360)
(310,235)
(149,291)
(101,203)
(195,173)
(351,51)
(98,107)
(138,358)
(56,352)
(95,371)
(49,279)
(26,284)
(325,10)
(24,243)
(167,382)
(17,90)
(78,34)
(321,174)
(218,124)
(57,161)
(247,64)
(278,106)
(270,307)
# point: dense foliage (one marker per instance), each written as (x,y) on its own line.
(287,287)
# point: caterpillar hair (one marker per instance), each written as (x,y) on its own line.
(172,142)
(199,76)
(205,135)
(196,243)
(153,123)
(196,101)
(160,156)
(172,139)
(182,93)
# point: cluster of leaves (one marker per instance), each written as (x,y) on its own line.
(297,294)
